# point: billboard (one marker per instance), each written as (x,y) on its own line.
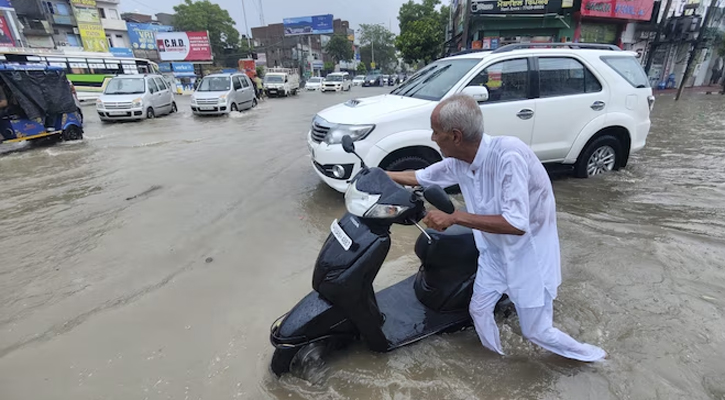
(121,52)
(6,39)
(5,4)
(313,25)
(89,25)
(183,46)
(142,36)
(619,9)
(516,6)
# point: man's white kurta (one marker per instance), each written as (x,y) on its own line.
(506,178)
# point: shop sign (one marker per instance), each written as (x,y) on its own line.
(640,10)
(516,6)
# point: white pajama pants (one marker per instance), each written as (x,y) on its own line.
(536,325)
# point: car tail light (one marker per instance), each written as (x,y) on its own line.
(651,102)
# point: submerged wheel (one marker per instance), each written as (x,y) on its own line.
(150,113)
(234,107)
(604,154)
(307,362)
(254,103)
(282,359)
(73,132)
(173,107)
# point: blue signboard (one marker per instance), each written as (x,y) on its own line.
(165,67)
(182,67)
(142,35)
(314,25)
(121,52)
(5,4)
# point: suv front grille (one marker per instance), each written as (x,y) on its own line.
(319,131)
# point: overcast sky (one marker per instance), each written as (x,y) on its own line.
(356,11)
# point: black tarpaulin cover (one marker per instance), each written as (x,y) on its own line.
(39,92)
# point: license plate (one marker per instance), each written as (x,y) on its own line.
(117,113)
(206,108)
(340,235)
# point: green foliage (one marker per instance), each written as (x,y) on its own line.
(260,71)
(339,48)
(422,30)
(361,69)
(206,16)
(329,66)
(383,42)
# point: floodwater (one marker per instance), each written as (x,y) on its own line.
(149,260)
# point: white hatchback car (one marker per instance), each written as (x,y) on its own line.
(358,80)
(314,83)
(222,94)
(584,106)
(132,97)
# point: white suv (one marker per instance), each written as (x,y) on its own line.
(337,82)
(584,106)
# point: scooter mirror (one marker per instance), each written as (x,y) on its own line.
(347,144)
(439,198)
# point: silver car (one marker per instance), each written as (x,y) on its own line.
(223,93)
(132,97)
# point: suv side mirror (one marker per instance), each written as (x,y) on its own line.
(438,197)
(479,93)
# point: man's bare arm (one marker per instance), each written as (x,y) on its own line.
(405,178)
(486,223)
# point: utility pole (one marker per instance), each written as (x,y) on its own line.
(656,43)
(246,26)
(696,48)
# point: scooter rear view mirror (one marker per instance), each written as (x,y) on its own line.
(438,197)
(347,144)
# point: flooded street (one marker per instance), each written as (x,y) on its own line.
(149,261)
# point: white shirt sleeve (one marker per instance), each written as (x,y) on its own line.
(442,173)
(515,191)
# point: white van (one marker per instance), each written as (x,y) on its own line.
(223,93)
(337,82)
(281,82)
(132,97)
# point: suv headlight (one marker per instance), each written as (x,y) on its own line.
(364,205)
(99,103)
(137,103)
(356,132)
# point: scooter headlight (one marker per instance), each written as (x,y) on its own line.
(364,205)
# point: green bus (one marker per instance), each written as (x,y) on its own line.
(89,72)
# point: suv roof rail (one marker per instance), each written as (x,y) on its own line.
(571,45)
(468,51)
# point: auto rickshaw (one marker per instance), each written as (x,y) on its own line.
(40,104)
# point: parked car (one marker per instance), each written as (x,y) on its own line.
(586,107)
(373,80)
(337,82)
(358,80)
(314,83)
(223,93)
(133,97)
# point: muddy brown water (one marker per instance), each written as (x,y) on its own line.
(149,260)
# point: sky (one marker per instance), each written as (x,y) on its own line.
(355,11)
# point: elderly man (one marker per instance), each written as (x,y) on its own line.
(512,212)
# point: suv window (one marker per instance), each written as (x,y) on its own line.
(629,69)
(506,80)
(152,86)
(237,84)
(436,79)
(561,76)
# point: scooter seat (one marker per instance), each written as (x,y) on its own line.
(453,247)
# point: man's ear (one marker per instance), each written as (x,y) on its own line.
(457,136)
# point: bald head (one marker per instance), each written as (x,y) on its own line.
(459,112)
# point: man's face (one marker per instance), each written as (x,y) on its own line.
(447,141)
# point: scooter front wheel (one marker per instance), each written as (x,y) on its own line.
(282,359)
(306,362)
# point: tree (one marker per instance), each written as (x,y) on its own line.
(329,66)
(422,30)
(339,48)
(206,16)
(361,69)
(382,41)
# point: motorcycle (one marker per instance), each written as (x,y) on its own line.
(343,307)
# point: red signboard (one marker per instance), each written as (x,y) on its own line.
(6,39)
(183,46)
(620,9)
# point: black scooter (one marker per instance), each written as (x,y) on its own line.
(344,307)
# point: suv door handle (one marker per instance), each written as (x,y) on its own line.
(597,106)
(525,113)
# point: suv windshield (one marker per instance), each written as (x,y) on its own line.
(436,79)
(334,78)
(214,84)
(125,86)
(273,79)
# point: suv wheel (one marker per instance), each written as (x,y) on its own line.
(602,155)
(406,163)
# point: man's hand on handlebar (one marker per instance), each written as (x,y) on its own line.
(405,178)
(439,220)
